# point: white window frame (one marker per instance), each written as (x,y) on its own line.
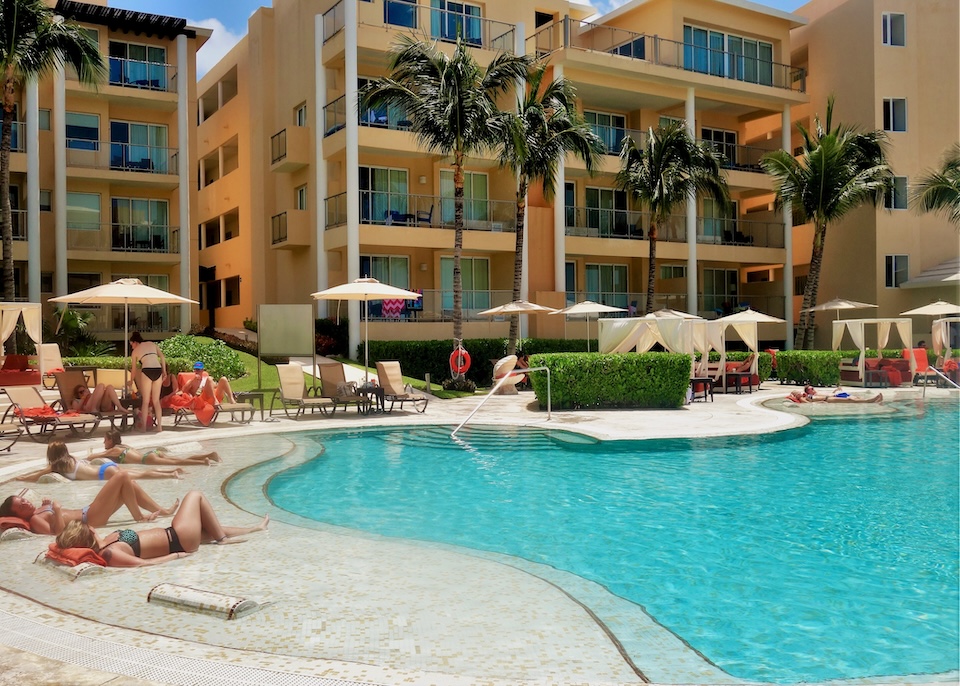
(301,197)
(891,120)
(673,271)
(887,29)
(300,114)
(896,270)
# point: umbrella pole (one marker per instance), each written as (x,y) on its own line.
(126,344)
(366,344)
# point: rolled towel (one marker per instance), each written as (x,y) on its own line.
(207,602)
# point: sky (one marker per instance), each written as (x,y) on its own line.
(228,18)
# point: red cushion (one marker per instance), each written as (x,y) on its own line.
(15,363)
(871,364)
(13,523)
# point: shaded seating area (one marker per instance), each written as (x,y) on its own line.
(394,391)
(875,372)
(295,398)
(341,392)
(39,420)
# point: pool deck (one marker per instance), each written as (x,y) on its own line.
(342,608)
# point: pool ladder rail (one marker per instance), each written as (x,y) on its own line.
(496,387)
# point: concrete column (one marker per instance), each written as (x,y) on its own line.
(183,157)
(787,242)
(59,124)
(352,166)
(320,164)
(690,113)
(559,219)
(33,190)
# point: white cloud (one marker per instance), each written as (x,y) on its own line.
(218,45)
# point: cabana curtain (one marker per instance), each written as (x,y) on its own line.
(941,336)
(9,315)
(856,328)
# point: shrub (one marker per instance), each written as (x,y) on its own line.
(326,345)
(462,384)
(817,367)
(174,364)
(250,324)
(218,359)
(338,331)
(584,380)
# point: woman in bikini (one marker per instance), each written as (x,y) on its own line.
(194,523)
(60,461)
(153,367)
(115,450)
(809,395)
(103,398)
(119,490)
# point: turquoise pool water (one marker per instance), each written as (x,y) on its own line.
(826,552)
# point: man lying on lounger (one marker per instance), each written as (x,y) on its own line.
(809,395)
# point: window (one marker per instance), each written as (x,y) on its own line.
(720,290)
(400,13)
(723,142)
(140,66)
(46,282)
(665,120)
(300,115)
(77,281)
(301,194)
(383,195)
(896,199)
(894,114)
(475,205)
(569,204)
(83,131)
(139,224)
(46,200)
(44,119)
(607,284)
(475,277)
(83,211)
(389,269)
(452,20)
(673,271)
(231,294)
(894,28)
(719,223)
(896,270)
(611,128)
(390,116)
(799,285)
(138,146)
(607,211)
(733,57)
(570,277)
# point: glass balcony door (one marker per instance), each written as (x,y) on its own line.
(383,195)
(606,210)
(607,284)
(452,20)
(475,277)
(475,197)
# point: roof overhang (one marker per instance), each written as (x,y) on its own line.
(130,21)
(945,274)
(794,20)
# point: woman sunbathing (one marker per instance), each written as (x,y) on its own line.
(194,523)
(115,450)
(103,398)
(119,490)
(809,395)
(61,462)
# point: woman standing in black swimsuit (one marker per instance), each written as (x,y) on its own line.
(153,367)
(194,523)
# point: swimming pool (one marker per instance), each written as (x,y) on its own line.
(820,553)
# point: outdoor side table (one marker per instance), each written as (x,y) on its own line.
(707,383)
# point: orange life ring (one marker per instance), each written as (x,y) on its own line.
(459,361)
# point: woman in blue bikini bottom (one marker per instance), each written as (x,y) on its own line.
(194,523)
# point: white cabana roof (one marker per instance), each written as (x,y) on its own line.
(857,329)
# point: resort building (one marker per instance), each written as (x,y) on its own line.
(102,180)
(893,65)
(300,191)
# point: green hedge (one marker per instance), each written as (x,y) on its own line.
(764,361)
(174,364)
(822,367)
(586,380)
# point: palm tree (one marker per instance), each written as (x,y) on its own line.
(34,41)
(661,174)
(451,104)
(939,190)
(535,138)
(839,170)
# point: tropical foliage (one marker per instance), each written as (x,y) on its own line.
(939,190)
(33,42)
(70,330)
(536,138)
(661,173)
(840,169)
(451,103)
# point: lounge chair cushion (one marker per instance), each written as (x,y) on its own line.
(13,523)
(15,363)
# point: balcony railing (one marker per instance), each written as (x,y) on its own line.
(278,146)
(278,228)
(581,35)
(149,159)
(447,26)
(124,238)
(708,306)
(333,21)
(154,76)
(153,318)
(758,234)
(402,209)
(19,220)
(334,116)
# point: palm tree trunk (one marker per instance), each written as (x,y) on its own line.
(804,339)
(6,212)
(652,268)
(457,247)
(518,264)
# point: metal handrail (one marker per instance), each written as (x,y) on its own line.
(939,375)
(496,387)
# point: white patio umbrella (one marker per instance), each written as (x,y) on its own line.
(586,308)
(937,309)
(749,315)
(124,292)
(365,289)
(839,304)
(517,307)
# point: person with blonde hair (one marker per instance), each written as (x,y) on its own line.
(115,450)
(194,523)
(60,461)
(119,490)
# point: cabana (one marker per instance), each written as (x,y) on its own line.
(10,314)
(863,373)
(941,337)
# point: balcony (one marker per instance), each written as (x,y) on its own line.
(124,238)
(290,150)
(109,319)
(709,306)
(153,76)
(16,137)
(437,306)
(580,35)
(290,230)
(125,157)
(19,220)
(448,26)
(425,211)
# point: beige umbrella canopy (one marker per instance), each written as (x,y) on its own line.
(667,313)
(749,315)
(365,290)
(586,308)
(839,304)
(516,307)
(937,309)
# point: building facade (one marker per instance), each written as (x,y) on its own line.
(102,180)
(299,190)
